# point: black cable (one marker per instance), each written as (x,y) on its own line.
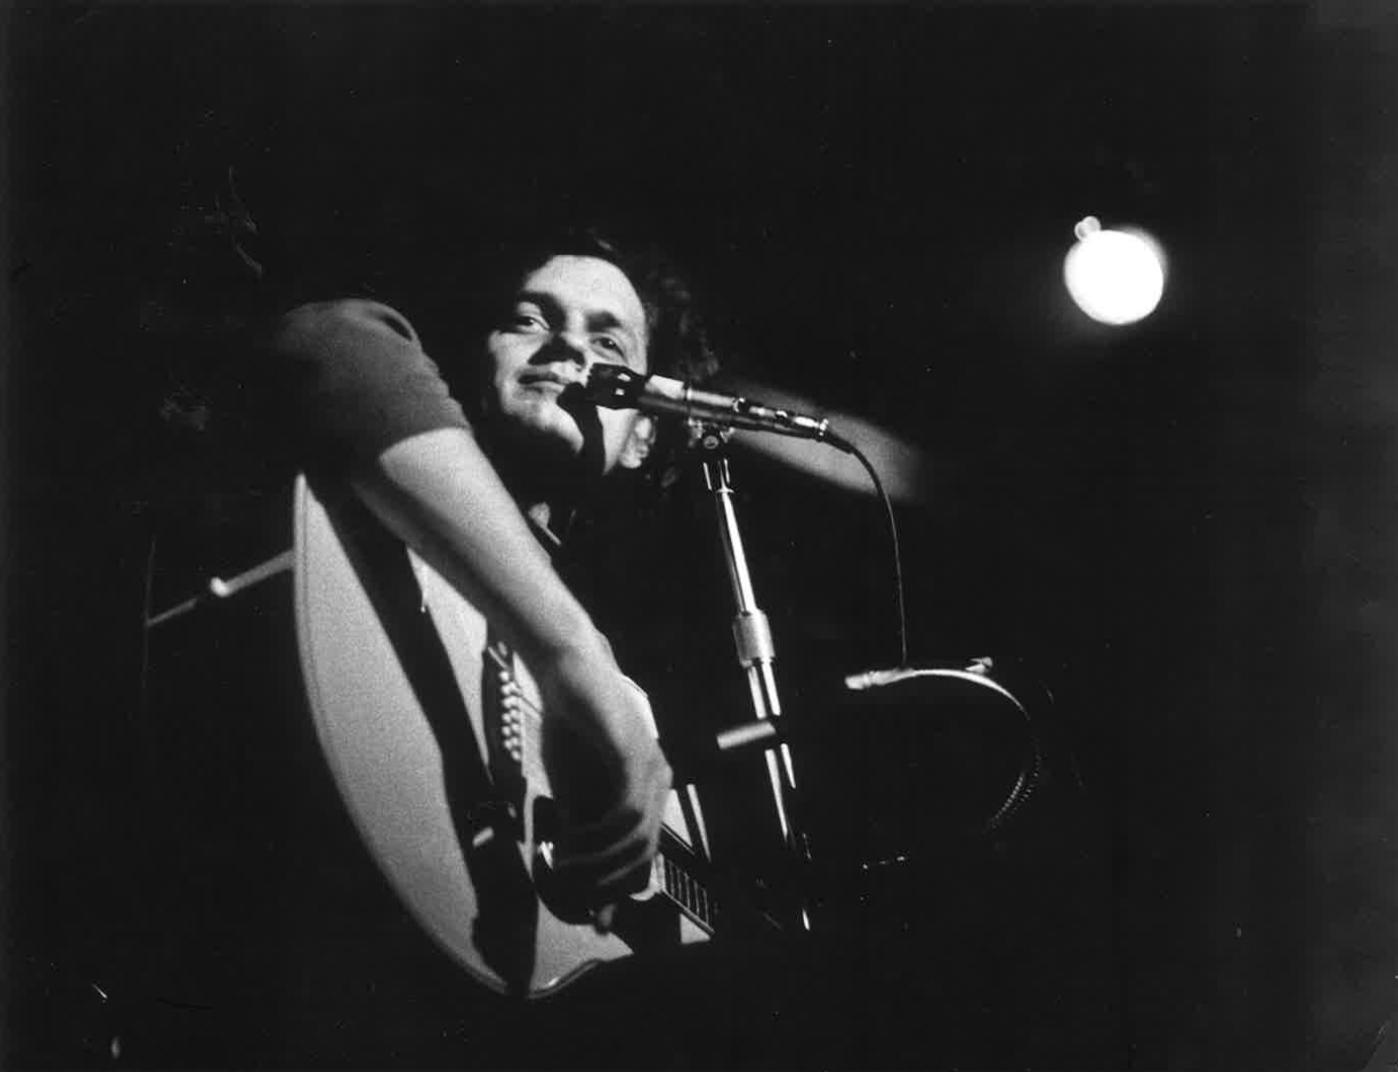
(840,443)
(1032,774)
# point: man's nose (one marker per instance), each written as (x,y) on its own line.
(567,346)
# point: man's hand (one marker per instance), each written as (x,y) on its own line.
(609,778)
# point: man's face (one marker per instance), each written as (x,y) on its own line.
(568,315)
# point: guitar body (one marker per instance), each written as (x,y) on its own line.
(463,860)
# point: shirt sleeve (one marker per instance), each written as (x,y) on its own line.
(349,379)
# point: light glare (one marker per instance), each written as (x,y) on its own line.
(1116,277)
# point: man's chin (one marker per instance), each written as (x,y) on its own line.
(542,424)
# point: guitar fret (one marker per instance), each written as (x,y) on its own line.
(686,891)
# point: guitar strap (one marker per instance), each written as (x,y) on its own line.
(487,822)
(590,466)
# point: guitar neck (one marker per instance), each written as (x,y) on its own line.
(679,885)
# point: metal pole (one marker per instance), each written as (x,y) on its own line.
(752,637)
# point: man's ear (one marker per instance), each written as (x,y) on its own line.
(638,443)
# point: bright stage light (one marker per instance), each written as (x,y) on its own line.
(1116,277)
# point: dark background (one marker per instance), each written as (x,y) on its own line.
(1186,525)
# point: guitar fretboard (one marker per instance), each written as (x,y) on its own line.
(687,892)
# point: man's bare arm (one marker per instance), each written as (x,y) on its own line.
(439,493)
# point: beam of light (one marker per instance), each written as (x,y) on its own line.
(902,467)
(1115,276)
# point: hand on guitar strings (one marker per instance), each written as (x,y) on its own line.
(611,783)
(607,858)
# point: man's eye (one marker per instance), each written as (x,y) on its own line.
(521,318)
(606,342)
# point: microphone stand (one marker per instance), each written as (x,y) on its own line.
(752,638)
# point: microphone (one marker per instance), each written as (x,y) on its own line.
(618,387)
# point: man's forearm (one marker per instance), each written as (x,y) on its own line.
(439,493)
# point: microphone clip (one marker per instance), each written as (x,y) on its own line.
(706,435)
(614,386)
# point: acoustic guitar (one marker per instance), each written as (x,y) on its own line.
(431,728)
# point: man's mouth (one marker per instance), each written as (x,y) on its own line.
(546,381)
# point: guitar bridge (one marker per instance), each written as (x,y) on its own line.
(491,817)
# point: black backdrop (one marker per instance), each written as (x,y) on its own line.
(1186,525)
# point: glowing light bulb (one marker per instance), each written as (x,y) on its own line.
(1116,276)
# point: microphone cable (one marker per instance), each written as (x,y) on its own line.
(841,443)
